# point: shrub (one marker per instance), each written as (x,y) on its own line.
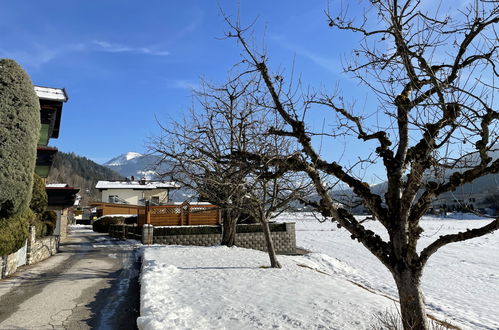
(49,218)
(14,231)
(19,132)
(39,199)
(102,224)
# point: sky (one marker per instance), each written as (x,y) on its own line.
(126,64)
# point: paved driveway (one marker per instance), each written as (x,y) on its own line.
(91,284)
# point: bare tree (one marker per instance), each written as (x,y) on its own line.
(192,150)
(201,153)
(268,190)
(434,78)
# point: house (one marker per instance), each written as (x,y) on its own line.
(61,199)
(51,101)
(135,192)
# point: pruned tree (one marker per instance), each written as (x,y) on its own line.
(268,190)
(433,76)
(202,154)
(193,149)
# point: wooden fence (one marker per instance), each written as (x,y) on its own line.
(185,214)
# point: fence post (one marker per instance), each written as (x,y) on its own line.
(188,208)
(148,213)
(147,234)
(123,232)
(181,220)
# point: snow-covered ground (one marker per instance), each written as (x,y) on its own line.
(460,281)
(229,288)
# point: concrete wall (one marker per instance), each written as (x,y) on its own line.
(283,236)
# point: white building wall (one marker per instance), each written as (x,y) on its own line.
(129,195)
(133,196)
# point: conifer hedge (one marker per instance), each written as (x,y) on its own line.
(39,198)
(19,132)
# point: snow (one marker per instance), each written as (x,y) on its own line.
(131,155)
(48,93)
(117,216)
(148,175)
(122,159)
(56,185)
(339,285)
(229,288)
(135,185)
(460,281)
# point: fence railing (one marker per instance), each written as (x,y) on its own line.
(185,214)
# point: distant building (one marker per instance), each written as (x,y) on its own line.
(51,101)
(135,192)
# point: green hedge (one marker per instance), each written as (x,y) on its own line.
(102,224)
(14,231)
(19,132)
(39,198)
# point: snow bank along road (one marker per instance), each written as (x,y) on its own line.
(91,284)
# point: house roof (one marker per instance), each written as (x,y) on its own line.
(137,185)
(56,185)
(53,94)
(61,195)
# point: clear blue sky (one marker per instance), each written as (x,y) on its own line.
(123,62)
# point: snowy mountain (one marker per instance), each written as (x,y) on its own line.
(134,164)
(144,166)
(122,159)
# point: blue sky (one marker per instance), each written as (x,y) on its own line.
(124,63)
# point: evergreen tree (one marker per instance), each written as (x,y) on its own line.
(19,132)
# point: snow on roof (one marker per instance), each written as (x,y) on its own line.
(49,93)
(137,185)
(56,185)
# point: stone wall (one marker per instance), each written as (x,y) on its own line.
(35,250)
(247,236)
(42,248)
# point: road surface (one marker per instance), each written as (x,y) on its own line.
(91,284)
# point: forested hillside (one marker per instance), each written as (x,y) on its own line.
(80,172)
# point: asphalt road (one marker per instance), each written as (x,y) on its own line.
(91,284)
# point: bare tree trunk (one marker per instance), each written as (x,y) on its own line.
(412,306)
(274,263)
(229,228)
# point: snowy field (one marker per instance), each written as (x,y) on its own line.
(229,288)
(461,280)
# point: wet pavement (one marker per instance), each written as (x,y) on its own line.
(91,284)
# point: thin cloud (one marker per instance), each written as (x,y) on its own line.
(327,62)
(116,48)
(184,84)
